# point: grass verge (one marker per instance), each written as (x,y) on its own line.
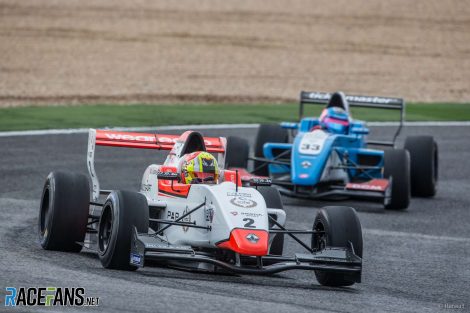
(26,118)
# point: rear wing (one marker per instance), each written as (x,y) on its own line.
(112,138)
(313,97)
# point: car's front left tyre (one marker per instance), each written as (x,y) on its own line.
(397,167)
(122,211)
(63,213)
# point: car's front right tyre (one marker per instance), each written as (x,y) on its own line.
(273,200)
(336,226)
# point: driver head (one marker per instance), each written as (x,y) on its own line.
(199,167)
(335,120)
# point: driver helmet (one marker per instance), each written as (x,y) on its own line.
(199,167)
(335,120)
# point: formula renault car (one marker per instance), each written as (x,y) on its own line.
(330,157)
(212,224)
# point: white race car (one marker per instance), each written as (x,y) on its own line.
(215,226)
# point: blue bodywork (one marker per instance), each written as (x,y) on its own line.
(306,169)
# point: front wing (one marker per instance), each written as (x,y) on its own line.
(147,247)
(375,190)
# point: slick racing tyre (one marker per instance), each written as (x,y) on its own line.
(338,226)
(236,154)
(63,214)
(423,165)
(122,211)
(267,133)
(273,200)
(397,167)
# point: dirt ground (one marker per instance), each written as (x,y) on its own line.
(116,51)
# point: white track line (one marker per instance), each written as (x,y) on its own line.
(391,233)
(150,128)
(212,126)
(427,123)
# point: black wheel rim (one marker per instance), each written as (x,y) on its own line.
(105,229)
(44,213)
(319,239)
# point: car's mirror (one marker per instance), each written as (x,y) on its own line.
(167,175)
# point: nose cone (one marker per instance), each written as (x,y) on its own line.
(247,242)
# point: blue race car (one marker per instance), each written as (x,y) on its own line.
(329,157)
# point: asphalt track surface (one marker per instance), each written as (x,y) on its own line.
(414,261)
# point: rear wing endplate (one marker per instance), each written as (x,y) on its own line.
(313,97)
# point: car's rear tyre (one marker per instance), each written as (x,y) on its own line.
(122,211)
(423,165)
(63,214)
(267,133)
(273,200)
(341,226)
(236,154)
(397,166)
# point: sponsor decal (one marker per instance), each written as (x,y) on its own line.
(187,219)
(209,214)
(370,99)
(175,215)
(373,185)
(145,187)
(258,181)
(364,187)
(164,246)
(175,140)
(303,175)
(238,194)
(234,213)
(363,99)
(127,137)
(319,95)
(154,171)
(48,296)
(252,238)
(249,214)
(306,164)
(243,202)
(136,258)
(167,175)
(172,215)
(164,139)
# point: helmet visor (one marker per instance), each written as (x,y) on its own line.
(206,177)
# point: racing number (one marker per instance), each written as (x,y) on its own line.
(249,222)
(312,147)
